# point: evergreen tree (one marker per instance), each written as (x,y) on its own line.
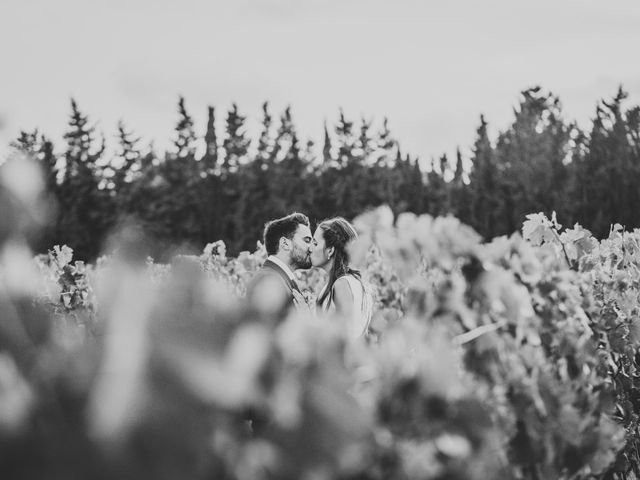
(540,162)
(531,156)
(49,163)
(171,211)
(266,142)
(287,144)
(327,157)
(27,143)
(236,143)
(209,188)
(365,146)
(186,136)
(235,146)
(436,190)
(606,172)
(483,183)
(346,141)
(210,158)
(459,199)
(84,209)
(256,199)
(128,159)
(386,145)
(458,174)
(380,185)
(39,148)
(290,174)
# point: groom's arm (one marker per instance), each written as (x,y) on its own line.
(269,293)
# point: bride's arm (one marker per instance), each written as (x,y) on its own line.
(342,297)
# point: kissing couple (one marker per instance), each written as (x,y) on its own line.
(291,246)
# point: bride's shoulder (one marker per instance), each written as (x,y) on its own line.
(345,281)
(350,279)
(349,285)
(342,284)
(342,294)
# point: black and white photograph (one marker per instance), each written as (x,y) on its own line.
(319,240)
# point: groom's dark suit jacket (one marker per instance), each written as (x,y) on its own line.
(271,269)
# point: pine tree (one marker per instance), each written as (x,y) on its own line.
(287,140)
(436,190)
(27,143)
(210,158)
(233,176)
(365,145)
(174,184)
(386,146)
(49,163)
(291,170)
(255,203)
(266,141)
(482,184)
(459,200)
(128,159)
(236,143)
(186,137)
(85,210)
(345,140)
(209,190)
(530,155)
(327,157)
(324,179)
(606,170)
(379,181)
(458,174)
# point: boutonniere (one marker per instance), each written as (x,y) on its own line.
(298,298)
(309,297)
(302,300)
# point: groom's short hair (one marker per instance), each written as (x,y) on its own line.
(282,227)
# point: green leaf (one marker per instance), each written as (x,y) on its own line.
(538,229)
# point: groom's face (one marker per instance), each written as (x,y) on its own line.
(301,247)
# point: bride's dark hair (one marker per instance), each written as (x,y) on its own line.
(337,233)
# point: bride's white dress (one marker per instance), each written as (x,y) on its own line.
(357,325)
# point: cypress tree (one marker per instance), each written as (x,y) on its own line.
(210,158)
(327,157)
(483,183)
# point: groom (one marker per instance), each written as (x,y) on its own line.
(288,241)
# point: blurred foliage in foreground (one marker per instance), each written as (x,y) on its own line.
(509,359)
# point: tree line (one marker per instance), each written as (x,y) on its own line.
(226,185)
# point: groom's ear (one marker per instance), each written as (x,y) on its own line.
(284,243)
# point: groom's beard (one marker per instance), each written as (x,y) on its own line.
(301,259)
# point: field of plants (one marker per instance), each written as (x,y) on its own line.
(509,358)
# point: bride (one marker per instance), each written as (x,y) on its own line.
(344,293)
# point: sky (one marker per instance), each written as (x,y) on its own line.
(430,67)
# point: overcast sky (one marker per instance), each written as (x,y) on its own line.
(431,67)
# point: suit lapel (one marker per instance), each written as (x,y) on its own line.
(274,266)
